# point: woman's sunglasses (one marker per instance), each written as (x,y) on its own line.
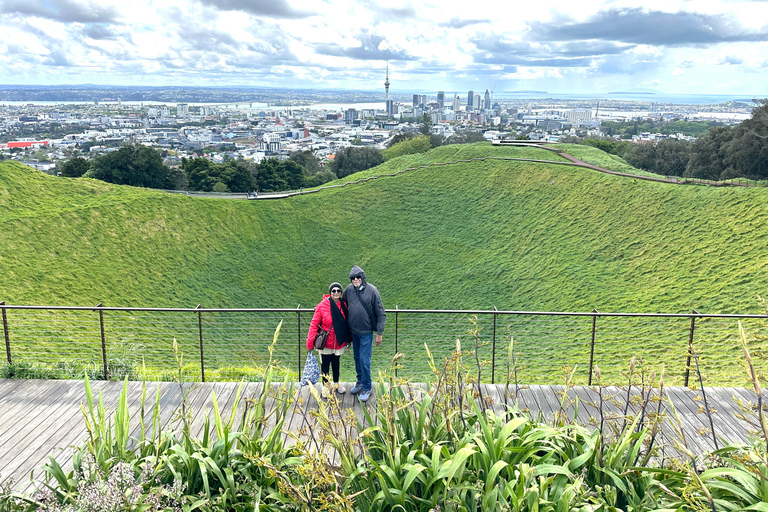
(335,290)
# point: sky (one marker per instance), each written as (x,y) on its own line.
(584,46)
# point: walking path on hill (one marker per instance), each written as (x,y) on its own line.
(39,418)
(572,161)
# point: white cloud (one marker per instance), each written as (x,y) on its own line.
(344,43)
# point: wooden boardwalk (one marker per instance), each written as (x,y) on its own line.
(42,418)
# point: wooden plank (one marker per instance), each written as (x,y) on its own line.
(16,417)
(47,414)
(692,422)
(8,386)
(727,410)
(111,392)
(70,433)
(539,393)
(26,440)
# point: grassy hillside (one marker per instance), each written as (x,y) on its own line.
(513,235)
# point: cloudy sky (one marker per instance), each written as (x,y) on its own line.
(584,46)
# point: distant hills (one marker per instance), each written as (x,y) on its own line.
(514,235)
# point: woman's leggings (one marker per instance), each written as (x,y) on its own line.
(328,360)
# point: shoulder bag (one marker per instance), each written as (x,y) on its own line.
(321,338)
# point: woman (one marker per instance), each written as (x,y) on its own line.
(331,315)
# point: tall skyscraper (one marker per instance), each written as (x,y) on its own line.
(487,100)
(470,99)
(441,98)
(456,102)
(415,100)
(478,104)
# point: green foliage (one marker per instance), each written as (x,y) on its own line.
(419,144)
(628,128)
(748,150)
(400,137)
(355,159)
(273,175)
(709,155)
(231,176)
(468,137)
(668,157)
(611,146)
(74,167)
(134,164)
(426,124)
(438,447)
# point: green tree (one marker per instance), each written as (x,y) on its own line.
(614,147)
(709,154)
(133,164)
(748,151)
(74,167)
(307,160)
(353,159)
(668,157)
(426,124)
(237,177)
(400,137)
(467,137)
(204,175)
(274,175)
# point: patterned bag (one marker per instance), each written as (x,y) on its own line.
(311,370)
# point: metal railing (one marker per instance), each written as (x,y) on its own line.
(230,344)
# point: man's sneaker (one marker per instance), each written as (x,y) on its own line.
(356,389)
(365,395)
(341,389)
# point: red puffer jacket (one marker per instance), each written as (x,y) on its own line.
(323,318)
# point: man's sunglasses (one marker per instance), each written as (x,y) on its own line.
(355,277)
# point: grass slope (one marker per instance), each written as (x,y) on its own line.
(514,235)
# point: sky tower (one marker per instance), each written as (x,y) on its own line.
(386,84)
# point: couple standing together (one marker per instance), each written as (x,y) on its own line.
(350,316)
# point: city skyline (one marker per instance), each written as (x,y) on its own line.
(596,46)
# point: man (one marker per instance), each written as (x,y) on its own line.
(366,314)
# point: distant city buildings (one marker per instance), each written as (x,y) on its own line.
(470,100)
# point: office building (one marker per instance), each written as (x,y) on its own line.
(487,105)
(456,102)
(415,100)
(470,99)
(441,98)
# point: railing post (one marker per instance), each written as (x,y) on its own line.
(690,347)
(103,342)
(200,331)
(396,308)
(298,335)
(493,356)
(7,338)
(592,345)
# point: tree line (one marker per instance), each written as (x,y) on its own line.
(142,166)
(721,153)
